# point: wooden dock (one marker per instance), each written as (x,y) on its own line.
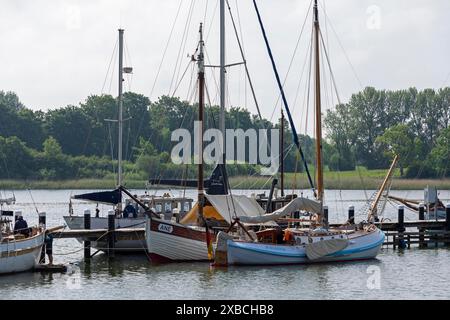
(400,234)
(101,234)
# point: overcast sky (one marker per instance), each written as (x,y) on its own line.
(54,53)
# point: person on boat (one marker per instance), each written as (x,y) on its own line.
(21,227)
(129,210)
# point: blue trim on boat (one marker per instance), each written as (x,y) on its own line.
(356,250)
(286,254)
(265,251)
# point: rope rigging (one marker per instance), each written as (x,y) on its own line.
(294,131)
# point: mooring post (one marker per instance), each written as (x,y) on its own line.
(351,214)
(447,224)
(325,213)
(42,223)
(87,226)
(401,227)
(421,230)
(42,219)
(421,211)
(111,233)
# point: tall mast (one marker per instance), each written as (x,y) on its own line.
(282,154)
(319,164)
(120,120)
(201,92)
(222,75)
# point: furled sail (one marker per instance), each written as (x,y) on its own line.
(107,197)
(297,204)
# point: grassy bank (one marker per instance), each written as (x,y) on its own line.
(349,180)
(68,184)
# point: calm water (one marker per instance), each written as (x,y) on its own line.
(414,273)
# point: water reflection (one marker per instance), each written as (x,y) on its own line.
(414,273)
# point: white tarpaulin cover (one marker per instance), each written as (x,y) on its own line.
(320,249)
(237,205)
(295,205)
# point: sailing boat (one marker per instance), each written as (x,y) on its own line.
(169,241)
(319,243)
(19,251)
(130,213)
(433,206)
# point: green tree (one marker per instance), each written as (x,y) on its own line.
(399,140)
(440,154)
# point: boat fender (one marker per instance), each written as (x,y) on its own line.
(288,236)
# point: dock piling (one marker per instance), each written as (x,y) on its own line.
(447,224)
(351,214)
(421,230)
(87,226)
(401,227)
(111,232)
(325,213)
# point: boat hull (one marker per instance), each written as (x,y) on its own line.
(441,214)
(246,253)
(20,255)
(121,246)
(173,242)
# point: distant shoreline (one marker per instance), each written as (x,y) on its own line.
(243,183)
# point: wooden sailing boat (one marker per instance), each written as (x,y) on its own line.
(169,241)
(165,206)
(18,252)
(434,208)
(319,243)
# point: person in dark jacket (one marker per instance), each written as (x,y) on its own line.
(49,248)
(21,227)
(129,211)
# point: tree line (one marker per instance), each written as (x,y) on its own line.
(79,141)
(376,124)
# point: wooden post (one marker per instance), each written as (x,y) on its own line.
(42,223)
(325,213)
(111,232)
(447,224)
(401,226)
(42,219)
(87,226)
(421,230)
(421,212)
(351,213)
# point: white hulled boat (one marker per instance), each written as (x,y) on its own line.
(318,243)
(19,253)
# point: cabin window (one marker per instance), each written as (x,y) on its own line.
(168,207)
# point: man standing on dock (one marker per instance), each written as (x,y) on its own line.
(49,247)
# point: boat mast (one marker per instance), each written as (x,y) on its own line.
(201,91)
(222,76)
(282,154)
(120,120)
(373,214)
(319,164)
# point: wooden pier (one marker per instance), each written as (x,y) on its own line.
(401,234)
